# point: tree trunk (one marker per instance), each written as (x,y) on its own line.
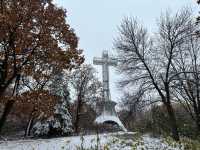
(76,123)
(9,104)
(196,116)
(172,121)
(7,109)
(198,124)
(29,126)
(2,90)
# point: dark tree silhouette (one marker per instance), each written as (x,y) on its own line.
(148,62)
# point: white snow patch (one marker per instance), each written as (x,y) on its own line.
(111,141)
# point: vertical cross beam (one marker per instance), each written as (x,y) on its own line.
(105,62)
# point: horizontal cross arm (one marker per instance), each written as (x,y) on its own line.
(97,61)
(112,62)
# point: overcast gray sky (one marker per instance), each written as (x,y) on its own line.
(95,23)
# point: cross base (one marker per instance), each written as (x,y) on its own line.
(109,115)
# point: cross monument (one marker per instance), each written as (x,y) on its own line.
(108,114)
(105,62)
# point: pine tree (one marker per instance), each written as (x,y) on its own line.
(61,122)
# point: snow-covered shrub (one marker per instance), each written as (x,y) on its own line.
(41,128)
(61,122)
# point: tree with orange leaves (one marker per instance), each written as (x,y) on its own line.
(33,33)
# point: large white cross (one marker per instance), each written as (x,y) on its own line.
(105,62)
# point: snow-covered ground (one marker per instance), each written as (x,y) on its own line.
(111,141)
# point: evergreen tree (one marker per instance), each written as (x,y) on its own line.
(61,122)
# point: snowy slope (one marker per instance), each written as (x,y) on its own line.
(113,141)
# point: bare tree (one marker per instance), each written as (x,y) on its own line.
(186,87)
(132,103)
(88,89)
(148,61)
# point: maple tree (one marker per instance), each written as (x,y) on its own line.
(34,40)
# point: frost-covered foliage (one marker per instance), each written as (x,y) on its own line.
(61,122)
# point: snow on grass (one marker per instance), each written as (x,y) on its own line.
(150,143)
(68,143)
(110,141)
